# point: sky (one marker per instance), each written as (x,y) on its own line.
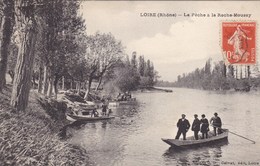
(175,45)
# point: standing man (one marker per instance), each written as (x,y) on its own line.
(104,109)
(183,125)
(204,126)
(196,126)
(216,123)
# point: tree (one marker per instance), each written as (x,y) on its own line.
(217,79)
(133,75)
(126,79)
(63,39)
(23,71)
(208,67)
(111,56)
(206,78)
(77,70)
(134,60)
(231,71)
(6,29)
(12,58)
(150,74)
(141,66)
(103,53)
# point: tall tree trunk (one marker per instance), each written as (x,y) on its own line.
(55,86)
(24,65)
(50,87)
(40,79)
(78,87)
(245,72)
(85,85)
(101,77)
(231,69)
(224,70)
(33,80)
(241,72)
(45,79)
(88,88)
(11,73)
(236,72)
(71,84)
(63,83)
(248,71)
(99,83)
(5,38)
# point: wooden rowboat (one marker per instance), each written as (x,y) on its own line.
(73,117)
(130,101)
(190,141)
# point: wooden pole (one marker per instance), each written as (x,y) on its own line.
(242,137)
(237,135)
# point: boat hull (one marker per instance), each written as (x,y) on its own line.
(118,103)
(84,118)
(190,142)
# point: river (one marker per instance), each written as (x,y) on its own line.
(133,138)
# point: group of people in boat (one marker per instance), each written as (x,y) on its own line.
(201,125)
(104,111)
(124,96)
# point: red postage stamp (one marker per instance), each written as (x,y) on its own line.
(239,42)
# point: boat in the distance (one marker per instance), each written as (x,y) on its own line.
(191,142)
(86,113)
(73,117)
(124,102)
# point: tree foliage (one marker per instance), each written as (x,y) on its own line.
(220,77)
(135,73)
(50,47)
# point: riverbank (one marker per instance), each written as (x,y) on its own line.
(31,137)
(154,89)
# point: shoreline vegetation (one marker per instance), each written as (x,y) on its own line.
(218,77)
(46,52)
(30,137)
(154,89)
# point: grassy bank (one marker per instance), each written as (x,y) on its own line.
(31,137)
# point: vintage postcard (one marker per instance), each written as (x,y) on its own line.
(129,83)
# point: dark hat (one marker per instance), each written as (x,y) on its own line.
(215,113)
(183,115)
(195,115)
(203,115)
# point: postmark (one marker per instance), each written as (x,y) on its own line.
(239,42)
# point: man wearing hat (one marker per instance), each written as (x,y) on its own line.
(204,126)
(183,125)
(196,126)
(216,123)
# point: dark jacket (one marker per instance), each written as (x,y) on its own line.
(195,125)
(104,108)
(204,125)
(216,121)
(183,125)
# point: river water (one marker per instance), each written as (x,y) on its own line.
(133,138)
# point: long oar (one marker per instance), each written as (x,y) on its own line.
(237,135)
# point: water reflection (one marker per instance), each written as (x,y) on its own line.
(104,125)
(209,155)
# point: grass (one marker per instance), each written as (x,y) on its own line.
(31,137)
